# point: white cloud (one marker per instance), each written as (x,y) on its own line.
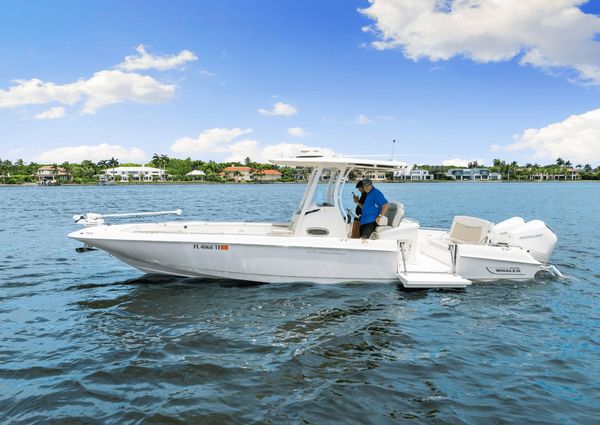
(92,152)
(242,150)
(214,140)
(103,88)
(549,34)
(37,92)
(144,60)
(52,113)
(363,120)
(457,162)
(108,87)
(577,139)
(296,132)
(280,108)
(207,73)
(224,143)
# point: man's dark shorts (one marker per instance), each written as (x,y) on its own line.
(366,229)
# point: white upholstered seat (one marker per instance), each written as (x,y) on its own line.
(470,229)
(394,215)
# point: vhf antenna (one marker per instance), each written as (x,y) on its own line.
(393,146)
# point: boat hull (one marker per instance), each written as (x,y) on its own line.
(257,262)
(255,254)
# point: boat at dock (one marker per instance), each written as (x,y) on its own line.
(316,245)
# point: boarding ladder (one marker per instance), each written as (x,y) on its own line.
(436,275)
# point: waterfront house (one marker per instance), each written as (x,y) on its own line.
(418,174)
(469,173)
(268,175)
(567,174)
(403,174)
(133,173)
(237,174)
(50,174)
(374,175)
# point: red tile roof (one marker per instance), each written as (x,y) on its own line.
(269,172)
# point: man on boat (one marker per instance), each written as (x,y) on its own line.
(373,209)
(359,204)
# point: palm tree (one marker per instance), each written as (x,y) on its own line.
(160,161)
(112,162)
(253,174)
(165,161)
(68,168)
(4,167)
(54,171)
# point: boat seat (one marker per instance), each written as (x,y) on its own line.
(467,229)
(394,215)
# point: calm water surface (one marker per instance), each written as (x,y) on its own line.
(87,339)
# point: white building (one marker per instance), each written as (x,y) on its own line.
(147,174)
(418,174)
(374,175)
(570,174)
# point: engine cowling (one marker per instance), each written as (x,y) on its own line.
(535,237)
(501,232)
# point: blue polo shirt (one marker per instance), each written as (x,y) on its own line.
(372,207)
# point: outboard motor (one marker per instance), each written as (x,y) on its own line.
(535,237)
(500,232)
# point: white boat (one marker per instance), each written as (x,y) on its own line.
(315,246)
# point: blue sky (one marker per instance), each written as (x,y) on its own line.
(450,81)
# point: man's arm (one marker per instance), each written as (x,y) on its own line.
(383,212)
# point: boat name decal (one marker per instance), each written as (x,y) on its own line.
(539,235)
(504,270)
(211,246)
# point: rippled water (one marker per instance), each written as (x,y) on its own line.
(86,339)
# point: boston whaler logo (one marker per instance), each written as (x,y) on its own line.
(506,270)
(211,246)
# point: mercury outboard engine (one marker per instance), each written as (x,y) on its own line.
(534,237)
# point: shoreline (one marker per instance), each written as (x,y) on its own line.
(297,182)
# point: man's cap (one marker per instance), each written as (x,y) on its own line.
(359,184)
(366,182)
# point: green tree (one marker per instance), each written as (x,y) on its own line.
(68,169)
(112,163)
